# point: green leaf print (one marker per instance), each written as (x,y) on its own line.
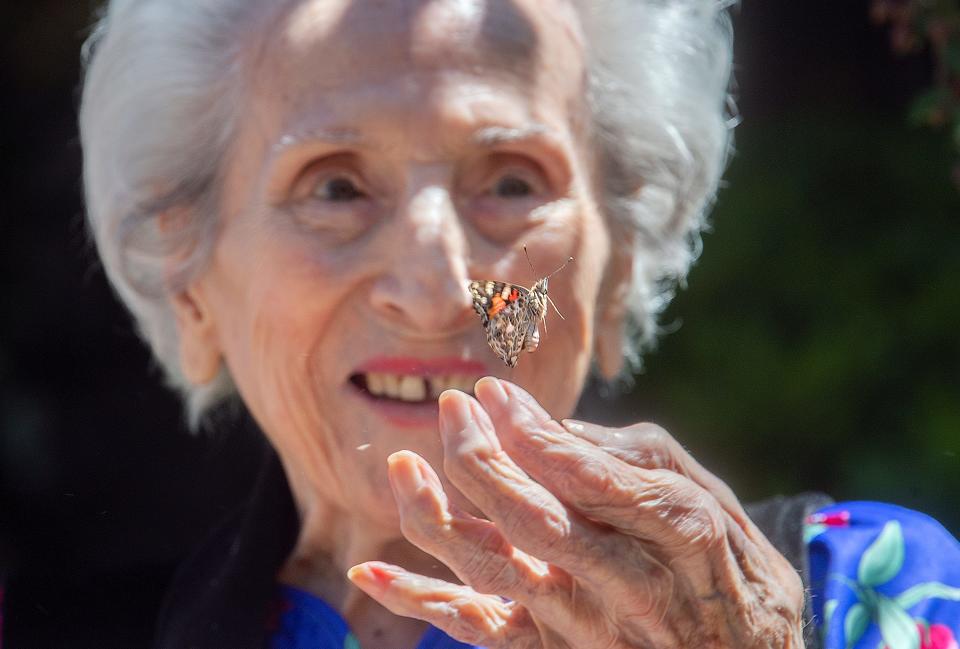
(828,610)
(920,592)
(898,629)
(858,617)
(883,559)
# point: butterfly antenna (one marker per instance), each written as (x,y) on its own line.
(529,262)
(562,266)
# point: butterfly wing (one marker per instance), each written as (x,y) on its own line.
(504,311)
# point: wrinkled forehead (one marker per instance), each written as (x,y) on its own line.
(325,42)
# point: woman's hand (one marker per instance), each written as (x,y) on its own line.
(596,538)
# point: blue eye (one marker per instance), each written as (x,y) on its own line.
(512,186)
(338,189)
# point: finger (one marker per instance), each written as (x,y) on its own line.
(656,505)
(696,526)
(535,521)
(684,524)
(459,611)
(649,446)
(472,547)
(478,553)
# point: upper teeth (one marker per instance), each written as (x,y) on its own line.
(407,387)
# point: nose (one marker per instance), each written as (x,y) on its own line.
(423,286)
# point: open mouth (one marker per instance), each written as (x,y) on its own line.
(410,388)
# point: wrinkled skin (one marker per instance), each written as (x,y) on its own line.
(600,538)
(386,154)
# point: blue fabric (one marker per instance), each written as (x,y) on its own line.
(883,577)
(304,621)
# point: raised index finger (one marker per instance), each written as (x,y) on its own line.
(528,514)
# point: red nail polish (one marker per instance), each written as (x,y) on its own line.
(382,576)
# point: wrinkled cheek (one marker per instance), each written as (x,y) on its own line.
(268,350)
(286,394)
(277,342)
(274,388)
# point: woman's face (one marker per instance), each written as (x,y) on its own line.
(386,154)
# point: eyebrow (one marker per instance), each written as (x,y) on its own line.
(487,137)
(491,136)
(299,137)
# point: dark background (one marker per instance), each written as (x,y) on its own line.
(818,347)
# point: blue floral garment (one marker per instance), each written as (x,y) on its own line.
(883,577)
(304,621)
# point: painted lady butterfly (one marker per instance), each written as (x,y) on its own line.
(511,314)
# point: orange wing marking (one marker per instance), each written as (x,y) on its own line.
(498,305)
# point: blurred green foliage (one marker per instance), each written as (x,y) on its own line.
(819,346)
(934,25)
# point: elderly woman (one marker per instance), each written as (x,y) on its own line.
(293,198)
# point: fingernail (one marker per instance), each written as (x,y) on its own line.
(459,422)
(429,477)
(455,412)
(382,572)
(371,573)
(491,392)
(404,474)
(588,432)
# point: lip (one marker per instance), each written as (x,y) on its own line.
(412,415)
(423,366)
(401,415)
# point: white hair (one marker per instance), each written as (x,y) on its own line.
(159,106)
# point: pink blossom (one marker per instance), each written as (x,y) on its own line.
(938,636)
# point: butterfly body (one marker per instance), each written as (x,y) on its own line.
(510,315)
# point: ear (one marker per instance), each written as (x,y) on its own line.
(197,335)
(200,353)
(612,311)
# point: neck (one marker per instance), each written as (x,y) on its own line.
(331,541)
